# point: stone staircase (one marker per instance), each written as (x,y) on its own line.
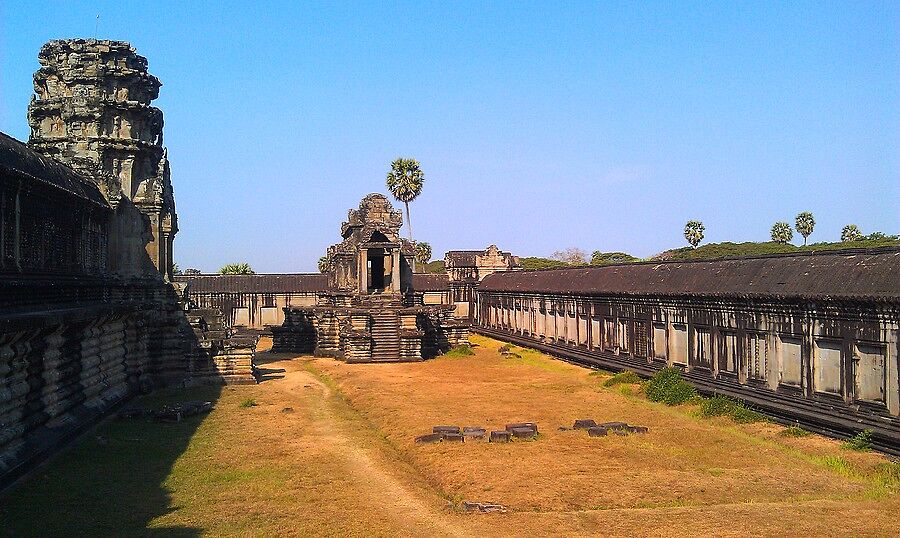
(219,354)
(385,335)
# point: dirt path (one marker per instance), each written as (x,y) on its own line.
(338,431)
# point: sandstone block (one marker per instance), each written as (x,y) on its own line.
(501,436)
(428,438)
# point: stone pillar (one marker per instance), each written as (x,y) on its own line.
(395,271)
(363,271)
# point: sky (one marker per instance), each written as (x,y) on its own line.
(539,125)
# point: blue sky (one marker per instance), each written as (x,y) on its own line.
(539,126)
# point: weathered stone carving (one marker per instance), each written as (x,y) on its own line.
(371,311)
(91,110)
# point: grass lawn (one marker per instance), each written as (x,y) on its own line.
(328,451)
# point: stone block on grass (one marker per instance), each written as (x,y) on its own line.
(428,438)
(501,436)
(523,433)
(531,425)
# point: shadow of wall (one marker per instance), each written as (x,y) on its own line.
(87,323)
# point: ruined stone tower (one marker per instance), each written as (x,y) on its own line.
(91,110)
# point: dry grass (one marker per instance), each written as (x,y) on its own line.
(343,463)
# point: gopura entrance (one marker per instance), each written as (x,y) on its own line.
(371,311)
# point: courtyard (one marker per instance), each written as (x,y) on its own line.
(326,448)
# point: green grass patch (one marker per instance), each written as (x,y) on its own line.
(793,431)
(248,403)
(625,376)
(861,442)
(667,386)
(718,406)
(460,351)
(838,465)
(887,474)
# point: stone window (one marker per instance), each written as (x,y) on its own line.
(757,355)
(679,343)
(241,316)
(827,366)
(790,360)
(728,352)
(869,372)
(571,329)
(609,333)
(702,347)
(624,335)
(659,341)
(640,339)
(268,315)
(596,337)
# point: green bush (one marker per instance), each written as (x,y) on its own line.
(248,403)
(460,351)
(861,442)
(668,387)
(625,376)
(721,405)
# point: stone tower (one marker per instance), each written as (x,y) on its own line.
(91,110)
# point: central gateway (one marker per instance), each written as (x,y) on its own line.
(371,311)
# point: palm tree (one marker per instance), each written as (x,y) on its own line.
(782,232)
(405,182)
(693,232)
(851,233)
(323,264)
(423,252)
(237,269)
(805,224)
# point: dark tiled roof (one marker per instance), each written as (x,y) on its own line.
(431,282)
(18,160)
(872,274)
(283,283)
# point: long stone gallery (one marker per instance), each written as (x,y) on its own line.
(482,362)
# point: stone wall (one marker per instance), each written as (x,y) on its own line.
(830,365)
(71,349)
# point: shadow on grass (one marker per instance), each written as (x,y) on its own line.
(113,481)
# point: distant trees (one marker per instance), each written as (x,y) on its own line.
(175,269)
(782,232)
(323,264)
(571,256)
(192,271)
(804,224)
(693,232)
(607,258)
(405,181)
(423,252)
(236,269)
(851,232)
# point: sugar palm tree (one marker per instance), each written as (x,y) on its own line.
(693,232)
(423,252)
(782,232)
(804,223)
(851,233)
(405,182)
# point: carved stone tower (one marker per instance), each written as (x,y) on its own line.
(91,110)
(372,258)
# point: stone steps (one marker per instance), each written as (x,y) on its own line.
(385,333)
